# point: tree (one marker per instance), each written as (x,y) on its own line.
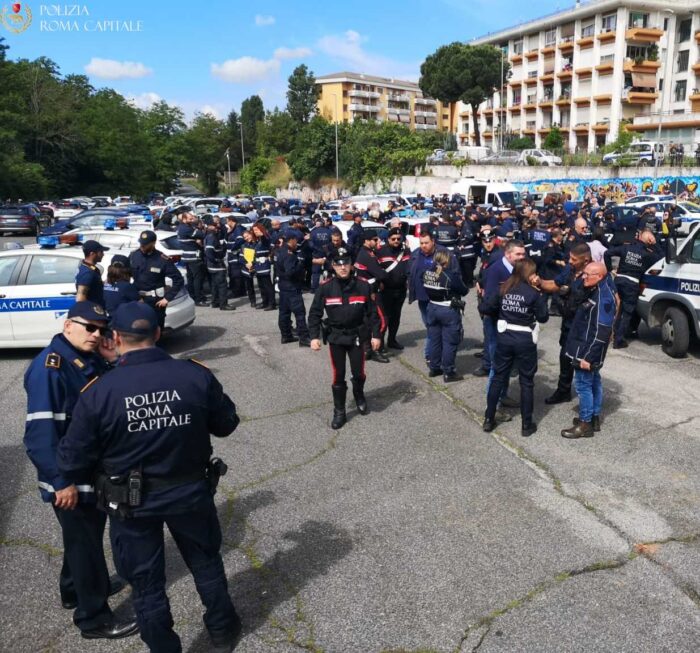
(233,140)
(521,143)
(252,114)
(313,155)
(205,144)
(554,140)
(302,95)
(253,174)
(459,72)
(277,133)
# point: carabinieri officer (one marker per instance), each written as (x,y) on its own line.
(150,268)
(144,429)
(53,382)
(352,319)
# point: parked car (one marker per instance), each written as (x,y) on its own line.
(20,218)
(643,199)
(504,157)
(641,153)
(542,158)
(68,208)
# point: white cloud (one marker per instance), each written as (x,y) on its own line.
(111,69)
(144,100)
(348,50)
(292,53)
(212,111)
(264,21)
(245,69)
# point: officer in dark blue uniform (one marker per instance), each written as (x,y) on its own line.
(352,319)
(119,290)
(290,279)
(320,244)
(53,383)
(444,286)
(144,429)
(215,259)
(88,280)
(191,239)
(356,235)
(518,308)
(468,247)
(234,242)
(447,234)
(150,268)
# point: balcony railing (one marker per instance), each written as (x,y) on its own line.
(426,126)
(427,101)
(399,112)
(373,95)
(400,97)
(371,108)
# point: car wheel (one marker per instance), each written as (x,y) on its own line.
(675,332)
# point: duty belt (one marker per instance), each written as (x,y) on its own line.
(157,292)
(626,276)
(447,302)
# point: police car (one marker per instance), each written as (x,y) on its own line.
(37,287)
(670,294)
(687,212)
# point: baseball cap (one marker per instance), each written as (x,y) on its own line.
(88,311)
(91,246)
(147,237)
(135,317)
(120,259)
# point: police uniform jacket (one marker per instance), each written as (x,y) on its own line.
(367,267)
(552,252)
(214,252)
(488,259)
(89,275)
(592,326)
(320,239)
(234,242)
(119,293)
(635,259)
(355,236)
(447,235)
(188,236)
(150,271)
(395,263)
(468,243)
(53,383)
(418,265)
(152,412)
(351,312)
(262,262)
(521,306)
(535,242)
(290,270)
(443,287)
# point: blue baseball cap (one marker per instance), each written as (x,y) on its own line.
(91,246)
(147,236)
(135,317)
(88,311)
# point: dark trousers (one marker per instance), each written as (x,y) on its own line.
(316,273)
(267,290)
(514,348)
(445,333)
(139,554)
(466,266)
(629,293)
(160,312)
(566,369)
(219,289)
(393,300)
(195,279)
(250,289)
(235,282)
(84,577)
(356,356)
(291,301)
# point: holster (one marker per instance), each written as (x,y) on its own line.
(116,495)
(216,468)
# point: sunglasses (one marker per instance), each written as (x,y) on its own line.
(91,328)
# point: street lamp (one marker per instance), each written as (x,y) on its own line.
(661,110)
(335,111)
(240,124)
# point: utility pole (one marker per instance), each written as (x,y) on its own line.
(240,124)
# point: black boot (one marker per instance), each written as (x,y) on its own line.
(358,391)
(339,417)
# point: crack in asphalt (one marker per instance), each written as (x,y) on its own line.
(51,551)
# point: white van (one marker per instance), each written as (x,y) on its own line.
(481,191)
(670,296)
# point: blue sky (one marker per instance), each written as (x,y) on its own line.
(209,56)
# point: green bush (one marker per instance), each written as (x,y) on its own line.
(522,143)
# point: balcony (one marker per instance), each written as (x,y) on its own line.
(422,114)
(585,42)
(603,99)
(546,101)
(601,127)
(566,72)
(397,112)
(399,97)
(639,97)
(696,68)
(516,57)
(516,106)
(605,68)
(581,128)
(368,95)
(549,48)
(566,44)
(529,129)
(563,100)
(531,81)
(487,134)
(543,131)
(584,72)
(582,101)
(547,76)
(673,120)
(606,36)
(515,82)
(644,34)
(531,55)
(367,108)
(636,66)
(425,100)
(426,126)
(531,105)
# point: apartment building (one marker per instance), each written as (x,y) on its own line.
(346,97)
(587,68)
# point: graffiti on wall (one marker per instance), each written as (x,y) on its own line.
(614,189)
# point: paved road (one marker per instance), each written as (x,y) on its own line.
(410,529)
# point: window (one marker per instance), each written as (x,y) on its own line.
(682,61)
(661,85)
(679,91)
(550,37)
(7,267)
(665,24)
(638,19)
(52,269)
(587,30)
(609,22)
(684,30)
(695,251)
(518,47)
(607,58)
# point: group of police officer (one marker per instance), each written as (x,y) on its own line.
(115,426)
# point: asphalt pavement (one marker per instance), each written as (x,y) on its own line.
(409,530)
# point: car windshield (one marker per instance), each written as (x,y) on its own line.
(11,211)
(508,197)
(690,206)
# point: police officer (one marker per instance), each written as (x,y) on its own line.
(190,238)
(150,268)
(352,319)
(635,259)
(320,243)
(88,280)
(356,235)
(394,257)
(468,247)
(518,308)
(290,275)
(119,289)
(53,383)
(144,429)
(234,242)
(215,259)
(447,234)
(444,287)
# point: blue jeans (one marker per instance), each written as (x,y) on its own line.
(589,388)
(423,308)
(490,340)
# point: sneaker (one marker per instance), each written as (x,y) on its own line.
(452,377)
(507,402)
(480,372)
